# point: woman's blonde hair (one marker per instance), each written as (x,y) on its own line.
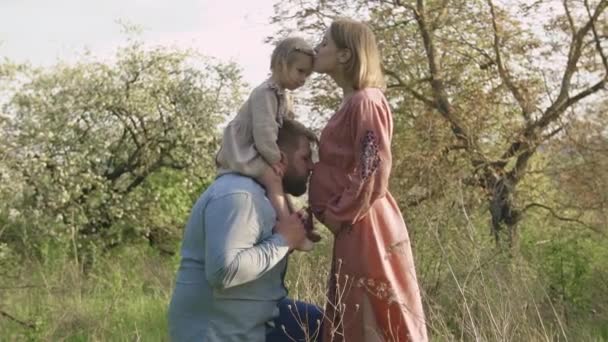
(364,66)
(286,51)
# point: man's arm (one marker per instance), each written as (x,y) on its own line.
(232,256)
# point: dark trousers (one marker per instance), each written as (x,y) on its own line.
(297,321)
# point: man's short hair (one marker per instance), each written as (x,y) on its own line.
(291,133)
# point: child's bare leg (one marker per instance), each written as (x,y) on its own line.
(274,190)
(279,200)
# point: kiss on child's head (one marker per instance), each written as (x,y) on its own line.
(291,62)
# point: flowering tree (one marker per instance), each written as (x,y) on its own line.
(99,154)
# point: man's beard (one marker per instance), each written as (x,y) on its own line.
(293,184)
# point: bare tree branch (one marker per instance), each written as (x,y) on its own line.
(117,112)
(583,94)
(569,16)
(574,55)
(439,93)
(524,103)
(530,136)
(412,91)
(554,132)
(596,38)
(16,320)
(562,218)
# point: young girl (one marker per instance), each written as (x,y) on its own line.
(249,145)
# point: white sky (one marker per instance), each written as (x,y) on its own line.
(44,32)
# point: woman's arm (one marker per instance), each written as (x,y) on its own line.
(371,124)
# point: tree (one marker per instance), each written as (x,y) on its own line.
(477,87)
(89,144)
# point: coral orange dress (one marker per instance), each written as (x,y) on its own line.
(373,292)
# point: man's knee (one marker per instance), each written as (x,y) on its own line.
(299,320)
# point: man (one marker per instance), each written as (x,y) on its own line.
(229,285)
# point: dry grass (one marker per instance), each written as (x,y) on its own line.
(471,292)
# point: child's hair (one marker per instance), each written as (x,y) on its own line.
(286,50)
(364,65)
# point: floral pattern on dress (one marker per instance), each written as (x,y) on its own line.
(370,160)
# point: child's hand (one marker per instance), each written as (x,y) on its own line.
(279,169)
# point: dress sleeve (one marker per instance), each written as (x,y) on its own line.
(371,134)
(264,107)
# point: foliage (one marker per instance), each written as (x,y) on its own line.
(477,87)
(500,119)
(99,154)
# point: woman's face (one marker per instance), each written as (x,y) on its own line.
(326,55)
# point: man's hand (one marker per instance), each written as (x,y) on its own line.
(292,229)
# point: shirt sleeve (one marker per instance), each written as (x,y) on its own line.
(368,181)
(264,107)
(233,254)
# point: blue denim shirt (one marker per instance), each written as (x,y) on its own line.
(230,277)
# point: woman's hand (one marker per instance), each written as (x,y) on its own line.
(333,225)
(307,220)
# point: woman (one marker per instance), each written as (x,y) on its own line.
(373,293)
